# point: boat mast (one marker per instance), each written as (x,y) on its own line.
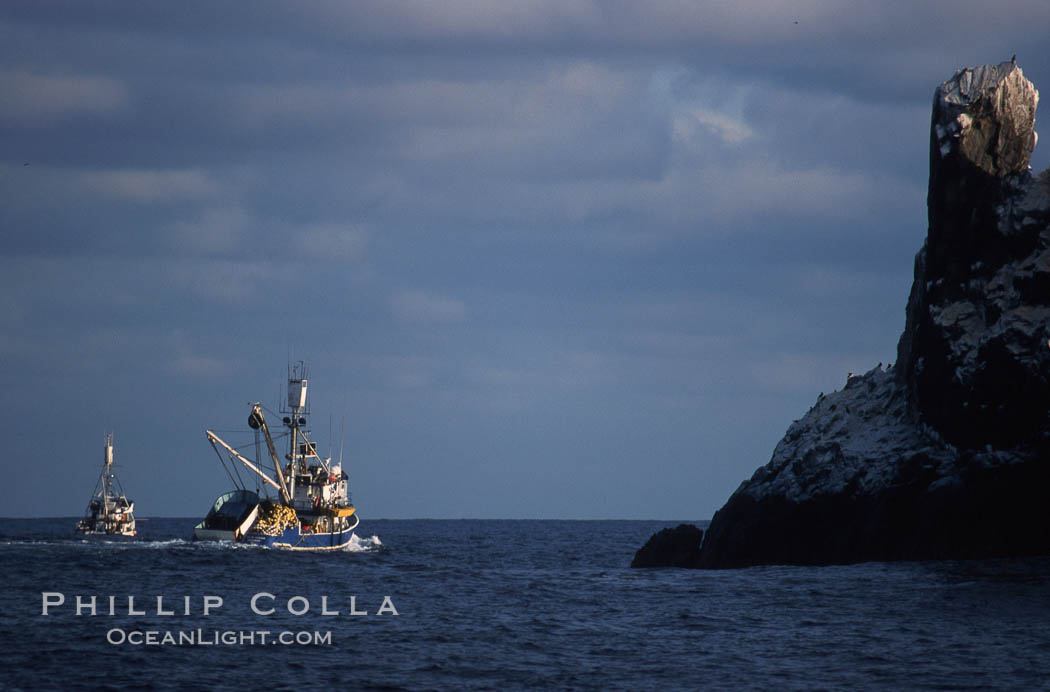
(297,404)
(107,475)
(257,421)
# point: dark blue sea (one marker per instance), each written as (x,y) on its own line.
(499,605)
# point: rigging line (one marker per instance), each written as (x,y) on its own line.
(279,436)
(246,445)
(242,431)
(238,472)
(275,414)
(342,431)
(114,476)
(258,455)
(229,473)
(223,462)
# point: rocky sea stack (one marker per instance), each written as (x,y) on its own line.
(677,547)
(947,453)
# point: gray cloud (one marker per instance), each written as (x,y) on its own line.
(516,240)
(36,101)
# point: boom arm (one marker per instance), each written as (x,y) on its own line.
(257,421)
(215,439)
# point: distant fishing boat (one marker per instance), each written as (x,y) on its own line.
(109,512)
(312,508)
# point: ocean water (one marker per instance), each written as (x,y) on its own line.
(500,605)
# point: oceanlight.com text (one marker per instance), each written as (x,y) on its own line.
(202,637)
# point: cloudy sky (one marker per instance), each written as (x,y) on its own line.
(563,259)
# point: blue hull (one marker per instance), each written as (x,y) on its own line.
(295,539)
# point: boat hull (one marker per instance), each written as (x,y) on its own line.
(231,517)
(294,538)
(204,534)
(110,529)
(104,534)
(239,517)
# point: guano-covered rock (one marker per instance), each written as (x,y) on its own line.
(946,454)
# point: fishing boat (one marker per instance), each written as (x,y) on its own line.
(109,512)
(310,508)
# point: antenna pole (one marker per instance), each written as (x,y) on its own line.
(107,484)
(342,430)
